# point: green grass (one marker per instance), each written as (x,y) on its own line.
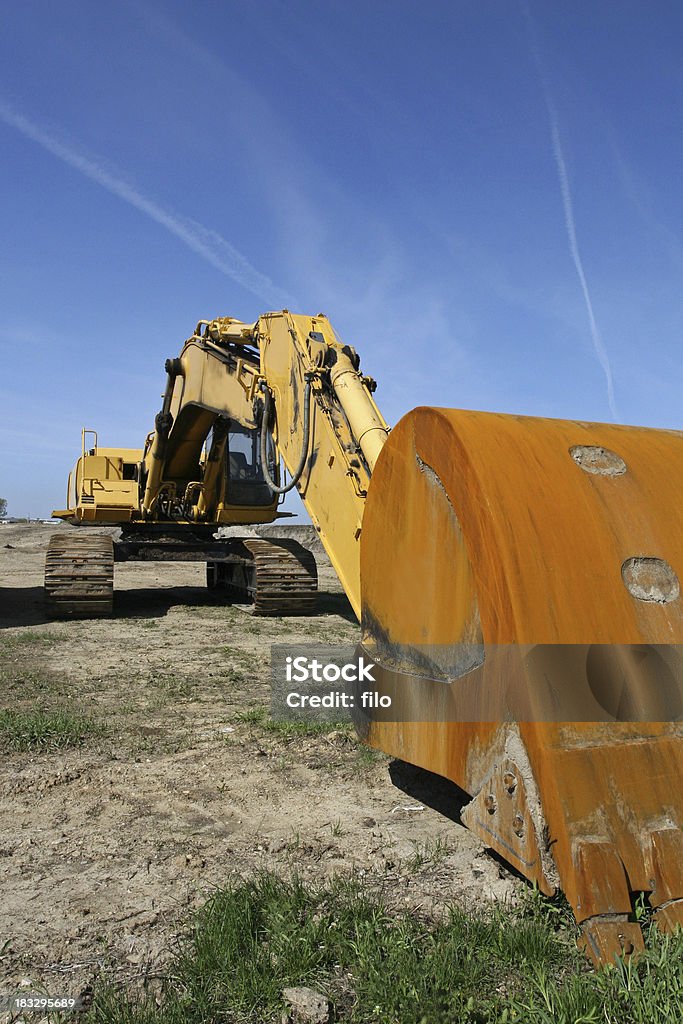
(42,730)
(174,686)
(252,716)
(31,683)
(287,729)
(237,653)
(31,638)
(367,758)
(377,965)
(427,854)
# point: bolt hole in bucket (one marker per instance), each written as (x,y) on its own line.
(650,579)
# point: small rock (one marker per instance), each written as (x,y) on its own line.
(368,822)
(307,1006)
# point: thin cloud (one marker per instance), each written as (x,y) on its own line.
(203,241)
(568,207)
(641,199)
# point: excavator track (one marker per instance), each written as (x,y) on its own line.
(79,576)
(280,577)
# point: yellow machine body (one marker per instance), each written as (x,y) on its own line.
(102,485)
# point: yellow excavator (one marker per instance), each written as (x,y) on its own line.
(516,580)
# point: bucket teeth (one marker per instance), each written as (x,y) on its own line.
(604,938)
(602,886)
(604,900)
(666,882)
(666,866)
(669,917)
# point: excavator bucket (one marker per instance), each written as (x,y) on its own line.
(521,600)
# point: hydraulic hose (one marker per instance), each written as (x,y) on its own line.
(267,405)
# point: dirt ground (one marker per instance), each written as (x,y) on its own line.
(105,848)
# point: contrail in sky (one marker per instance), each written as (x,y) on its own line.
(598,343)
(207,243)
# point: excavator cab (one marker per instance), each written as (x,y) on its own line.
(245,480)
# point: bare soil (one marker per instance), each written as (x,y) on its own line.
(107,847)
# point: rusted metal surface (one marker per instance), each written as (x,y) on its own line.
(502,811)
(516,531)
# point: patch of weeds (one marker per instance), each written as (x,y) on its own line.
(43,730)
(293,845)
(251,716)
(217,610)
(367,757)
(282,764)
(236,652)
(644,911)
(554,911)
(379,965)
(284,728)
(29,638)
(174,686)
(429,853)
(287,730)
(646,990)
(126,707)
(31,683)
(232,675)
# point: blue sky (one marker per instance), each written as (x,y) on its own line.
(484,198)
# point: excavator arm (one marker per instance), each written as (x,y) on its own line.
(209,388)
(288,379)
(327,428)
